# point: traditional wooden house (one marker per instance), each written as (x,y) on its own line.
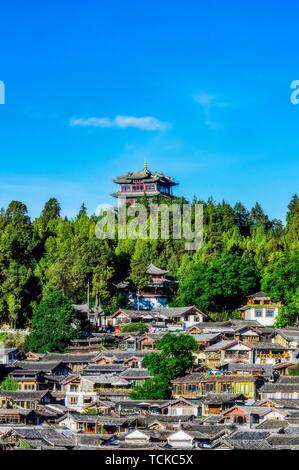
(250,415)
(29,380)
(181,407)
(9,356)
(216,403)
(198,385)
(207,339)
(287,337)
(266,352)
(226,351)
(88,423)
(126,358)
(261,370)
(183,317)
(147,342)
(135,376)
(181,440)
(260,307)
(286,388)
(196,329)
(47,366)
(102,407)
(28,400)
(38,437)
(77,396)
(73,362)
(86,345)
(247,334)
(18,416)
(138,438)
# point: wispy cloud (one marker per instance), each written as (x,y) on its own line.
(209,103)
(146,123)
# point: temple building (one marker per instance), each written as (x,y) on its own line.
(154,295)
(136,185)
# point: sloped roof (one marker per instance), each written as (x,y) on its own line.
(227,343)
(247,444)
(71,358)
(153,270)
(146,175)
(260,294)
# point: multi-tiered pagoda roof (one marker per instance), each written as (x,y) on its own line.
(145,182)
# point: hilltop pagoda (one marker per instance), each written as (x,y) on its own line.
(136,185)
(155,294)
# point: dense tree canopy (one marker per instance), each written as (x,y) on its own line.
(243,251)
(54,324)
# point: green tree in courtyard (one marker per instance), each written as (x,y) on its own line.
(54,324)
(172,360)
(153,389)
(8,384)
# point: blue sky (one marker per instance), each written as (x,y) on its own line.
(201,89)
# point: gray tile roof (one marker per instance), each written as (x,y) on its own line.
(272,425)
(244,444)
(279,387)
(267,346)
(135,373)
(250,435)
(265,368)
(283,440)
(39,366)
(215,398)
(71,358)
(153,270)
(221,345)
(20,395)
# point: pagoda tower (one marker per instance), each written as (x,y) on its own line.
(135,185)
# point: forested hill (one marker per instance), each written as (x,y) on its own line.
(243,251)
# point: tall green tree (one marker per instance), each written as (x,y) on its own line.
(172,360)
(54,325)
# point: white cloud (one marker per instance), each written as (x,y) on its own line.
(146,123)
(208,103)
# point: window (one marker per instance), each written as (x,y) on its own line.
(191,388)
(138,187)
(226,388)
(125,187)
(210,387)
(73,400)
(269,313)
(74,388)
(258,313)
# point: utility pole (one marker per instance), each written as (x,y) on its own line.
(88,294)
